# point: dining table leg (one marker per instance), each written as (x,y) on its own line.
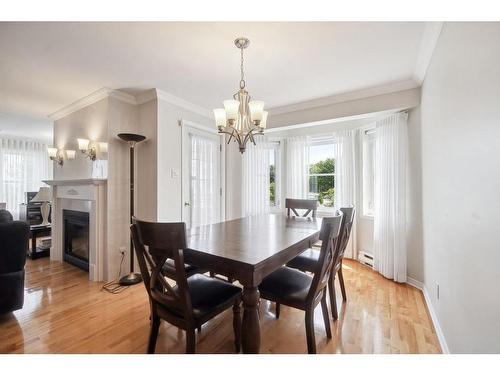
(250,338)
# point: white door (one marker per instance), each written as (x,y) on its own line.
(201,176)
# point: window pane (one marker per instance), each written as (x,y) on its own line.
(321,172)
(322,189)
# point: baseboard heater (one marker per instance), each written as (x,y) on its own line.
(366,258)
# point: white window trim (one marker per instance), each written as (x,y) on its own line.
(364,130)
(279,192)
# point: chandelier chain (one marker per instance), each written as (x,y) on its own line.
(242,80)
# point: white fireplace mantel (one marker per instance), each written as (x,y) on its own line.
(84,195)
(81,181)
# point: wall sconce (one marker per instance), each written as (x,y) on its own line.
(71,154)
(103,147)
(83,146)
(55,155)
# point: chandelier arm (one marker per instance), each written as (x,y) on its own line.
(247,137)
(251,137)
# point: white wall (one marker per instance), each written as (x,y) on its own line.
(147,162)
(461,182)
(90,122)
(121,118)
(415,266)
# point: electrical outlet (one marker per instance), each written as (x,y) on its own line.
(437,290)
(122,250)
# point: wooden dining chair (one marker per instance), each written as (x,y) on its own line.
(294,288)
(307,261)
(292,205)
(188,303)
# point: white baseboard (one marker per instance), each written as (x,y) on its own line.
(435,321)
(413,282)
(437,327)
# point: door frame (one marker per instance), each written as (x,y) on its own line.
(186,126)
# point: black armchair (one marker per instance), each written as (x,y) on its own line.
(14,236)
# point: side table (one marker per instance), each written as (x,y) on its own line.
(37,231)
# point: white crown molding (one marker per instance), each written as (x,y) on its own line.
(179,102)
(346,97)
(81,103)
(148,95)
(123,96)
(172,99)
(428,44)
(90,99)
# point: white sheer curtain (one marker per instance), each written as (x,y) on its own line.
(205,197)
(256,178)
(390,197)
(297,164)
(23,166)
(345,178)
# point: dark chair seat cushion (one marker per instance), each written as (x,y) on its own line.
(210,294)
(307,261)
(287,286)
(168,269)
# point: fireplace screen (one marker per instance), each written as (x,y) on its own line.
(76,238)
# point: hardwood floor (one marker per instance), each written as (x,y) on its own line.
(65,313)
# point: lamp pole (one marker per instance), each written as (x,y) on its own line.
(132,139)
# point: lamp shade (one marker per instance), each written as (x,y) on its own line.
(263,122)
(43,195)
(70,154)
(231,107)
(52,151)
(83,144)
(220,117)
(256,109)
(103,147)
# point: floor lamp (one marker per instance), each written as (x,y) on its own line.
(132,278)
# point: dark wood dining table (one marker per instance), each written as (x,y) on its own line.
(248,250)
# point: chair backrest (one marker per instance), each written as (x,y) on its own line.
(310,205)
(345,234)
(329,236)
(154,244)
(14,238)
(5,216)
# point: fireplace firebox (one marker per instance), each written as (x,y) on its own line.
(76,238)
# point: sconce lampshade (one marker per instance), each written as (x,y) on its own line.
(70,154)
(83,144)
(52,151)
(103,147)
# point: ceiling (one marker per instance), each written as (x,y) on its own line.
(46,66)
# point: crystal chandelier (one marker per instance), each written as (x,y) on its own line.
(241,118)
